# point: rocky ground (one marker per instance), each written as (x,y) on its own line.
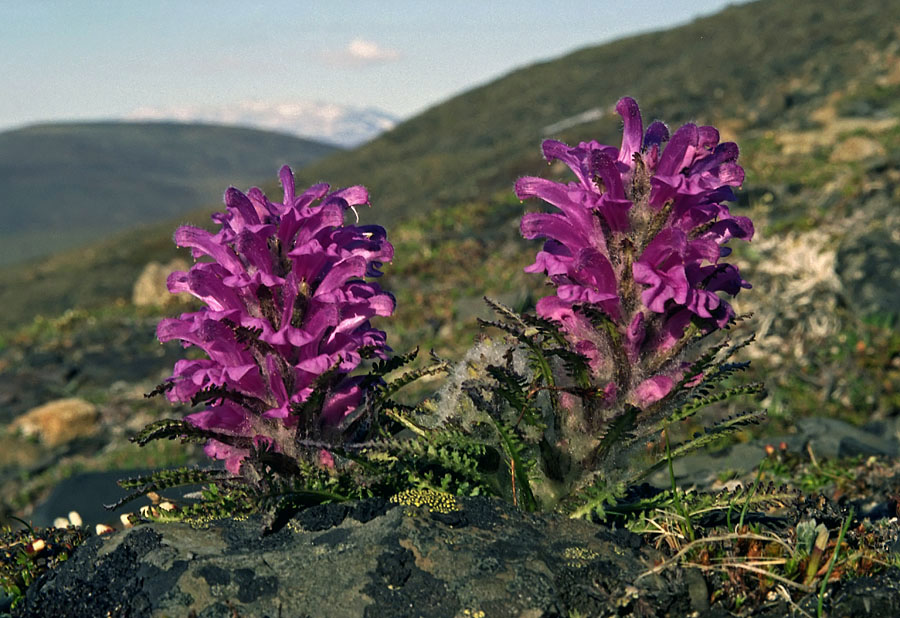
(482,557)
(454,558)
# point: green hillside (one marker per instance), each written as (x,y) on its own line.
(63,185)
(760,65)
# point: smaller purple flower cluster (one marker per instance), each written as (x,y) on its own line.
(640,237)
(287,304)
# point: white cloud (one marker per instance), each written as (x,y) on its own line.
(361,52)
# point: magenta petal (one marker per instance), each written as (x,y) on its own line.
(312,194)
(615,212)
(240,203)
(573,157)
(555,150)
(340,404)
(287,182)
(263,207)
(652,390)
(554,226)
(553,308)
(554,260)
(605,167)
(276,380)
(233,456)
(226,417)
(177,281)
(173,328)
(577,294)
(592,267)
(353,196)
(317,365)
(349,268)
(556,194)
(282,412)
(202,241)
(383,304)
(707,138)
(208,287)
(673,329)
(255,250)
(657,134)
(328,216)
(679,152)
(634,336)
(628,109)
(731,174)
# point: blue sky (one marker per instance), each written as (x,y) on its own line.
(83,59)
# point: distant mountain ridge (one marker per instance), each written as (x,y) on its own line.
(342,125)
(62,185)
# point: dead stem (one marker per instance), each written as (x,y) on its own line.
(718,539)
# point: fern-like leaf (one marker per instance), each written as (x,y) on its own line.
(514,389)
(505,327)
(391,388)
(507,313)
(167,479)
(382,368)
(593,500)
(171,428)
(710,435)
(618,429)
(707,399)
(160,389)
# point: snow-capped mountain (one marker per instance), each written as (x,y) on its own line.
(327,122)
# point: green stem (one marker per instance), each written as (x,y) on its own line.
(834,557)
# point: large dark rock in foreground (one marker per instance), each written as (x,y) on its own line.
(476,558)
(372,559)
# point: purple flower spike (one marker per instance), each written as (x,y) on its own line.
(287,302)
(639,237)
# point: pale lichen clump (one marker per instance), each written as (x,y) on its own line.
(452,401)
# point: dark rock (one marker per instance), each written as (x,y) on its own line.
(403,562)
(322,517)
(878,595)
(867,265)
(697,589)
(103,579)
(833,438)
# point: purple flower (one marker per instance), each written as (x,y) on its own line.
(287,305)
(640,236)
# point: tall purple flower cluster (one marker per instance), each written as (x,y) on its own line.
(640,237)
(287,306)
